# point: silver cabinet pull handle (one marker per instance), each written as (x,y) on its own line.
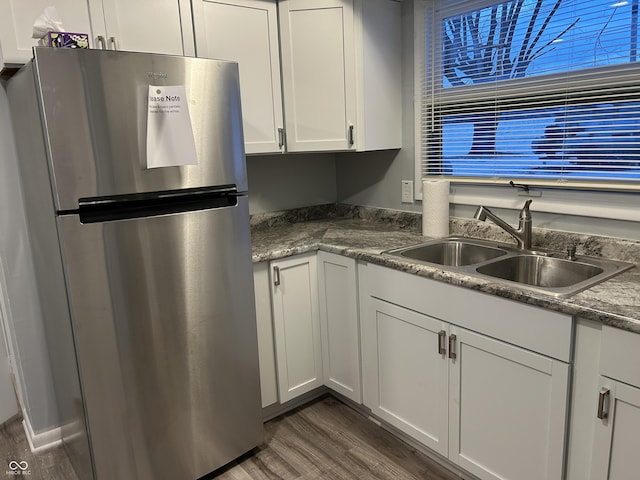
(102,42)
(603,398)
(114,43)
(276,276)
(442,349)
(351,137)
(280,137)
(452,347)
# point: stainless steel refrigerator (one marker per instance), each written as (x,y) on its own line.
(144,270)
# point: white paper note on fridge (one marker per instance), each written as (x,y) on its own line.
(170,141)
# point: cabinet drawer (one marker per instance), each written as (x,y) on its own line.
(533,328)
(620,355)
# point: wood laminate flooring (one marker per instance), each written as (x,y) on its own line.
(328,440)
(324,440)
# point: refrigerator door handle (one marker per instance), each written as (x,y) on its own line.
(121,207)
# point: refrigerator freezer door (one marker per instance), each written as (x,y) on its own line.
(95,106)
(165,332)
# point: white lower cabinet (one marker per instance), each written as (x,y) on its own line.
(615,445)
(296,325)
(338,301)
(507,409)
(308,331)
(497,410)
(480,380)
(266,351)
(617,415)
(405,374)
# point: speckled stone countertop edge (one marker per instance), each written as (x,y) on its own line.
(363,233)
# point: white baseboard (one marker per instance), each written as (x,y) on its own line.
(41,441)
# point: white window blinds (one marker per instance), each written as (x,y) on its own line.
(543,91)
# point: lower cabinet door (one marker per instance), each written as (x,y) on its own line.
(338,301)
(264,322)
(615,445)
(507,409)
(296,325)
(408,371)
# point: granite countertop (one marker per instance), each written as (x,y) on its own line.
(364,233)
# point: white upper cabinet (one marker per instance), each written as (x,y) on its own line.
(16,24)
(153,26)
(341,74)
(246,31)
(318,74)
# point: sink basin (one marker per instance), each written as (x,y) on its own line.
(541,271)
(551,274)
(451,252)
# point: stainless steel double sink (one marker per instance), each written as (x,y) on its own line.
(540,270)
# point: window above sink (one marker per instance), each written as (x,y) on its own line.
(542,92)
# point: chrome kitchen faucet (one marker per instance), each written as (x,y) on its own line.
(522,234)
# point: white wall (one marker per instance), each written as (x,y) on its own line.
(281,182)
(21,298)
(374,178)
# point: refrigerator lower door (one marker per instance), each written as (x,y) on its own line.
(164,327)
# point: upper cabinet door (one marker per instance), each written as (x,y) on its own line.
(246,31)
(152,26)
(16,24)
(318,74)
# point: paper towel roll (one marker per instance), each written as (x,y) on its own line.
(435,208)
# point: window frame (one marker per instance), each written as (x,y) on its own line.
(582,201)
(423,56)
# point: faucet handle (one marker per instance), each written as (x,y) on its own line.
(525,214)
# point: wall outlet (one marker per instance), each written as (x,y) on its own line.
(407,191)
